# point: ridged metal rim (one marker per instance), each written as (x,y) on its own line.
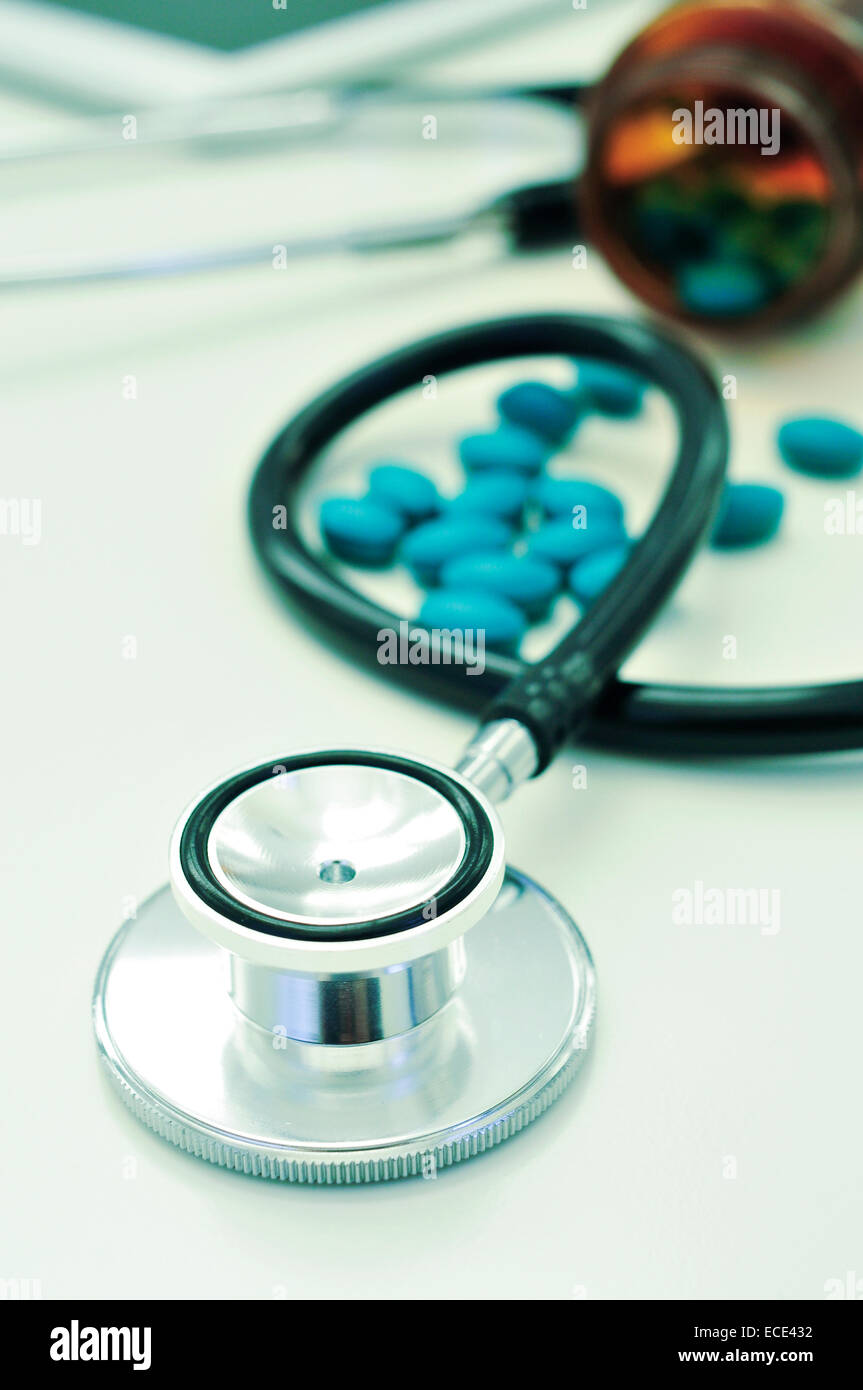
(262,1163)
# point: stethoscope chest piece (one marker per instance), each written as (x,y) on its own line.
(343,982)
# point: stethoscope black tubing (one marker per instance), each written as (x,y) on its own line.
(657,719)
(553,697)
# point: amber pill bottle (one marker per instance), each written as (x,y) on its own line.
(724,178)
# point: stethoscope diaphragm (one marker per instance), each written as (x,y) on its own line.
(346,983)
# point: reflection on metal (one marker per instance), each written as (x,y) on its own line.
(250,1096)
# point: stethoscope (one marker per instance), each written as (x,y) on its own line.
(526,218)
(344,981)
(529,218)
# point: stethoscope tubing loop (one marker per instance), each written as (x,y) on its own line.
(655,719)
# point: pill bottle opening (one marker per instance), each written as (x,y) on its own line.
(726,206)
(724,152)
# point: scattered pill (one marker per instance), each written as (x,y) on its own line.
(722,289)
(536,406)
(491,494)
(500,623)
(528,583)
(560,543)
(588,578)
(748,514)
(609,389)
(429,547)
(821,446)
(561,496)
(508,447)
(404,490)
(359,530)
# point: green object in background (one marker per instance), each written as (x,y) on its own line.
(222,24)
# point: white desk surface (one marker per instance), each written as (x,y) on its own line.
(713,1044)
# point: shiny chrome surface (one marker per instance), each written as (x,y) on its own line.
(499,757)
(248,1097)
(346,1009)
(336,845)
(285,843)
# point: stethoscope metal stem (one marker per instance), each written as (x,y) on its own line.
(347,1008)
(500,756)
(43,272)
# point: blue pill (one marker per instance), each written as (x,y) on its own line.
(404,490)
(429,547)
(508,447)
(588,578)
(722,289)
(561,496)
(529,584)
(821,446)
(360,530)
(562,544)
(536,406)
(748,514)
(609,389)
(491,494)
(486,617)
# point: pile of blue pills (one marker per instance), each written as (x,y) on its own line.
(496,556)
